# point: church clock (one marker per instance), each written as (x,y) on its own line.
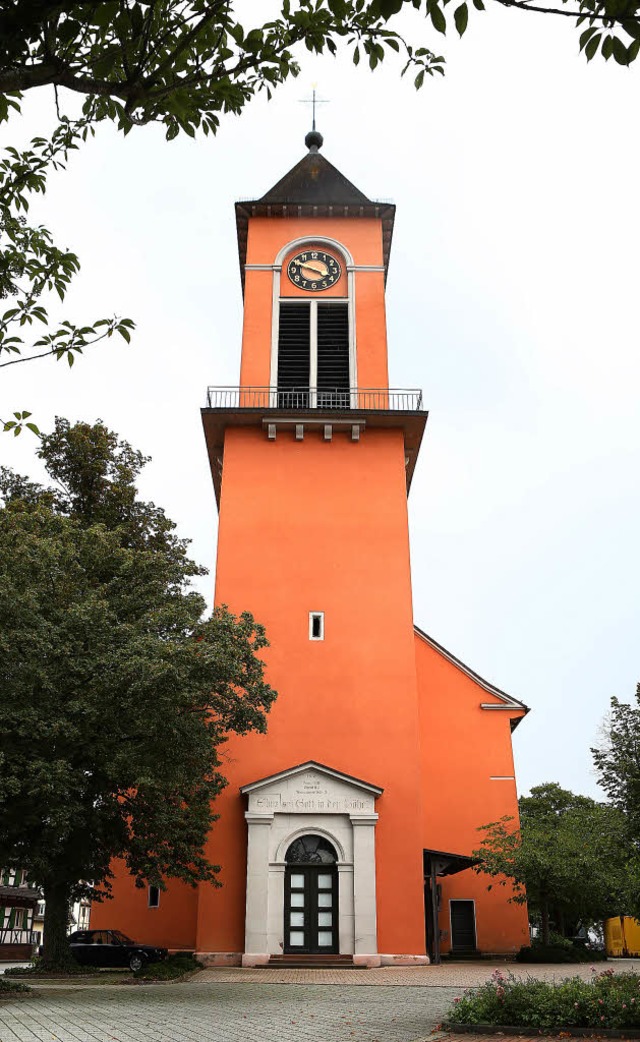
(314,270)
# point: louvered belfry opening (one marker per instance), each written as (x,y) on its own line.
(313,356)
(294,356)
(333,356)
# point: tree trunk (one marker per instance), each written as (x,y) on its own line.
(544,911)
(56,954)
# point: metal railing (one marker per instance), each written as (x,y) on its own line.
(380,398)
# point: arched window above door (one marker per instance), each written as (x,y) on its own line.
(311,850)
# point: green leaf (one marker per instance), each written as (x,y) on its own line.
(586,36)
(592,46)
(461,18)
(438,19)
(620,51)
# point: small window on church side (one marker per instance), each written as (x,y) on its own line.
(316,625)
(154,897)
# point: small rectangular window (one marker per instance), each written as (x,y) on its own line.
(154,897)
(316,625)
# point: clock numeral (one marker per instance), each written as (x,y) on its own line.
(297,278)
(314,256)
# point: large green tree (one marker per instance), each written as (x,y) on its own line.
(617,763)
(569,859)
(116,692)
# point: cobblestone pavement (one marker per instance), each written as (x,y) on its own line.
(219,1013)
(265,1006)
(448,975)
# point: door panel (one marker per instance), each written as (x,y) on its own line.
(311,911)
(463,926)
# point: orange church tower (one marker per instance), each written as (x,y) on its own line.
(346,832)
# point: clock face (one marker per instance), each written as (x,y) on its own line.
(314,270)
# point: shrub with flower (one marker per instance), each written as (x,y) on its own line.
(606,1000)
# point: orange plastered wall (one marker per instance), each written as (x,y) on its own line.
(362,237)
(171,925)
(296,518)
(464,747)
(500,926)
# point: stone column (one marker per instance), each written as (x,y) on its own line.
(364,883)
(275,937)
(256,946)
(345,910)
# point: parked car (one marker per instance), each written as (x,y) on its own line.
(112,948)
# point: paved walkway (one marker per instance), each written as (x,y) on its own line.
(219,1013)
(399,1005)
(458,975)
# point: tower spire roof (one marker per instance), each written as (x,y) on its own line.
(314,187)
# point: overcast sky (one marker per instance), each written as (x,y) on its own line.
(512,301)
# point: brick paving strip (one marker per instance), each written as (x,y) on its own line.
(394,1005)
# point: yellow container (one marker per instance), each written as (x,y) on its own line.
(622,937)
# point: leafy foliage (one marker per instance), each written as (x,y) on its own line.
(608,1000)
(183,62)
(169,969)
(9,988)
(187,62)
(560,949)
(617,765)
(32,266)
(116,693)
(569,858)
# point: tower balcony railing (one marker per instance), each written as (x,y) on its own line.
(295,398)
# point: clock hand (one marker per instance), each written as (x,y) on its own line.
(310,267)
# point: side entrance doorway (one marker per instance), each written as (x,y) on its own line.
(311,897)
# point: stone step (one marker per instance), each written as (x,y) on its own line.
(317,962)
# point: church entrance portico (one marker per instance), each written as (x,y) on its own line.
(311,873)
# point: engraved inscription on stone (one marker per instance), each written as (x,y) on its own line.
(311,793)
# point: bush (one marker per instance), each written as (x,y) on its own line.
(565,952)
(71,969)
(11,987)
(608,1000)
(169,969)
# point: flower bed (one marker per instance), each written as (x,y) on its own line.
(605,1001)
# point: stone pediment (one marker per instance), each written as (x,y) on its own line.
(311,788)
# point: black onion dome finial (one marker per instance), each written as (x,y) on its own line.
(314,140)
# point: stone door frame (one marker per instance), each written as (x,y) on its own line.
(310,799)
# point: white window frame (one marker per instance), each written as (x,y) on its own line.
(322,241)
(157,890)
(316,615)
